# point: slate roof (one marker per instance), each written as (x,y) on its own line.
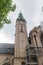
(6,48)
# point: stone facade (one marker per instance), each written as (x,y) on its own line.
(25,48)
(6,54)
(3,57)
(36,42)
(21,41)
(35,36)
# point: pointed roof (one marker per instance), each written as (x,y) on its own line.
(20,16)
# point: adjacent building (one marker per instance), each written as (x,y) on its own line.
(35,47)
(6,54)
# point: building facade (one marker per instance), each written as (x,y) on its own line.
(35,47)
(26,50)
(6,54)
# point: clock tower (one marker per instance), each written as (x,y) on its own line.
(21,40)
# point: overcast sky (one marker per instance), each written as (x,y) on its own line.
(32,12)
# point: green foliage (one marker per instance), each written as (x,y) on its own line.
(5,8)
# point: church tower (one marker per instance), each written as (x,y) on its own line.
(21,40)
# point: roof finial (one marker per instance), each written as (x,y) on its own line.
(20,16)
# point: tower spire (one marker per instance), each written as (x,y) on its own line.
(20,16)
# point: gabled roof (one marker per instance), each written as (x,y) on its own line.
(6,48)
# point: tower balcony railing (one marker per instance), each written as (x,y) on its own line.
(34,50)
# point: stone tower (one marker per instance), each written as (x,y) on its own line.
(21,41)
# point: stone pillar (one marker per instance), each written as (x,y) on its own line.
(34,41)
(38,41)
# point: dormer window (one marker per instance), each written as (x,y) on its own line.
(8,49)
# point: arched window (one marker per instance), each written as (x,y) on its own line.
(21,27)
(23,63)
(7,61)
